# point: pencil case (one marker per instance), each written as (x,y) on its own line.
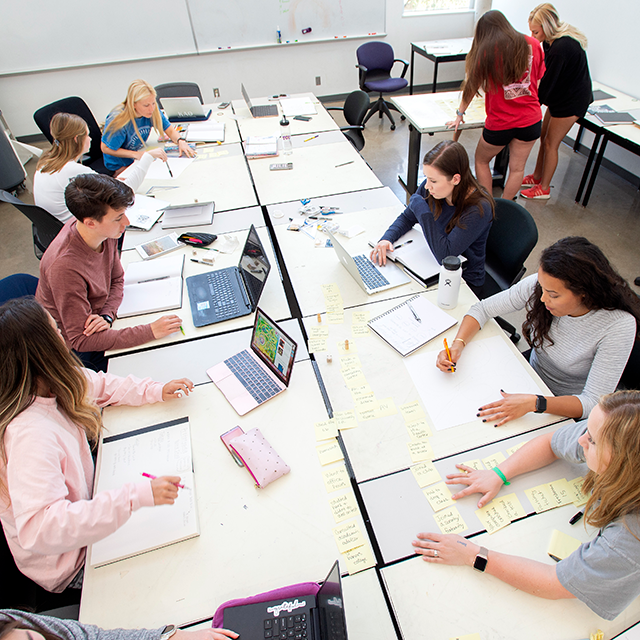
(259,457)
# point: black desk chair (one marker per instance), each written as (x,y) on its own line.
(45,226)
(354,110)
(630,378)
(78,107)
(178,90)
(375,61)
(511,240)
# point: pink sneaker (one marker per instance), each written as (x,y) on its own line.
(536,193)
(529,181)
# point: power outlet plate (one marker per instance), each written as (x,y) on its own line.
(216,92)
(318,81)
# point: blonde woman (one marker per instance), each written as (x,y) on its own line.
(128,127)
(62,162)
(604,573)
(565,88)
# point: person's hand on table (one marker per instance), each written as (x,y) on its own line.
(94,324)
(442,361)
(379,252)
(205,634)
(165,326)
(512,406)
(445,549)
(176,389)
(185,149)
(488,483)
(158,153)
(165,489)
(454,124)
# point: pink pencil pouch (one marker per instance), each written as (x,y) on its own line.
(259,457)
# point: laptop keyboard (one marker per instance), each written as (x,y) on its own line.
(253,378)
(222,294)
(371,277)
(294,626)
(264,110)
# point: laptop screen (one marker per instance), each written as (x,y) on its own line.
(273,346)
(331,607)
(254,267)
(245,95)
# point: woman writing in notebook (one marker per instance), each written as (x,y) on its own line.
(582,321)
(49,419)
(565,88)
(62,162)
(128,126)
(604,573)
(454,211)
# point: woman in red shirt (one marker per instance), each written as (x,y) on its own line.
(507,66)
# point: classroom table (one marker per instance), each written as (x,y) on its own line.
(453,50)
(226,116)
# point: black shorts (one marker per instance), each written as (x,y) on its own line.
(504,137)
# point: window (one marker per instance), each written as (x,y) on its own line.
(427,6)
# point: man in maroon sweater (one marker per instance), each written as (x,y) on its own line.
(81,277)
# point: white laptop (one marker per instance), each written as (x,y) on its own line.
(259,110)
(371,277)
(184,109)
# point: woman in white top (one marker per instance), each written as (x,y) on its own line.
(58,165)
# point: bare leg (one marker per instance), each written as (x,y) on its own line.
(558,129)
(537,172)
(456,135)
(485,153)
(518,153)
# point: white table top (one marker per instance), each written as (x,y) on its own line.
(620,102)
(453,46)
(455,601)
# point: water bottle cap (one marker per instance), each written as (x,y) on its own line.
(451,263)
(284,122)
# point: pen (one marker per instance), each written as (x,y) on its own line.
(311,138)
(169,168)
(402,244)
(208,262)
(182,331)
(576,518)
(148,475)
(344,164)
(446,346)
(209,249)
(415,315)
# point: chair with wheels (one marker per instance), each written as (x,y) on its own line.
(178,90)
(17,286)
(354,110)
(511,240)
(45,226)
(375,61)
(79,107)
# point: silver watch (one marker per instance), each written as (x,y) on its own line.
(168,631)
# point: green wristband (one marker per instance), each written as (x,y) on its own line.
(504,479)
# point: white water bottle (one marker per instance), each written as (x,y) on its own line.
(449,283)
(285,134)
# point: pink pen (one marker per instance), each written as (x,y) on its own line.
(148,475)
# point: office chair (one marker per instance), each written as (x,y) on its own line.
(45,226)
(178,90)
(511,240)
(78,107)
(375,60)
(630,378)
(354,110)
(17,286)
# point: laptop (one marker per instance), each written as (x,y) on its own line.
(371,277)
(261,110)
(311,617)
(184,109)
(232,292)
(255,375)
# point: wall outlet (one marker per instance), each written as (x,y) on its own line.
(318,81)
(216,92)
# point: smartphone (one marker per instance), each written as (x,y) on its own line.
(223,105)
(304,118)
(230,435)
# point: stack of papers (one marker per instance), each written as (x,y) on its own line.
(188,215)
(298,107)
(261,146)
(205,132)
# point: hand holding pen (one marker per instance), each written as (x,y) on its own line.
(165,488)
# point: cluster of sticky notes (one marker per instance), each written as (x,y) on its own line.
(318,336)
(561,545)
(366,405)
(557,494)
(500,512)
(333,303)
(359,326)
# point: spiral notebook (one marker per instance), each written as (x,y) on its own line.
(411,324)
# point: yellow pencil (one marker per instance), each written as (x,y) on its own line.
(446,346)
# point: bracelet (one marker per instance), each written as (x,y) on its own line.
(461,340)
(504,479)
(460,113)
(181,139)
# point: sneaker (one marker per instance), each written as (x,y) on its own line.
(529,181)
(536,193)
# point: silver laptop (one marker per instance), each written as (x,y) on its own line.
(371,277)
(184,109)
(261,110)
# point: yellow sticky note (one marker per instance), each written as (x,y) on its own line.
(343,350)
(366,414)
(344,506)
(348,536)
(359,559)
(316,345)
(561,545)
(336,478)
(349,362)
(493,516)
(318,332)
(360,317)
(412,411)
(330,289)
(363,391)
(561,492)
(365,402)
(335,318)
(360,330)
(420,450)
(326,429)
(541,498)
(329,452)
(493,460)
(579,498)
(450,521)
(419,429)
(345,419)
(353,377)
(474,464)
(439,496)
(513,506)
(512,450)
(386,407)
(425,474)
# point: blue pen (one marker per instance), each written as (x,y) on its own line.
(279,35)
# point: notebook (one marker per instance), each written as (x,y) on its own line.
(188,215)
(255,375)
(317,616)
(184,109)
(260,110)
(411,324)
(144,212)
(232,292)
(371,277)
(210,131)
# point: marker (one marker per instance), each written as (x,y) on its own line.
(169,168)
(148,475)
(182,331)
(415,315)
(344,164)
(576,518)
(402,244)
(311,138)
(209,263)
(446,346)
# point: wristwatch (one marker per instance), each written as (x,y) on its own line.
(108,318)
(541,404)
(181,138)
(459,113)
(168,631)
(480,563)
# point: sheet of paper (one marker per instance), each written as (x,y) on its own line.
(344,507)
(329,452)
(425,474)
(158,169)
(359,559)
(450,521)
(454,398)
(348,536)
(439,496)
(336,478)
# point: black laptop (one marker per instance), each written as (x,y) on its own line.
(306,617)
(232,292)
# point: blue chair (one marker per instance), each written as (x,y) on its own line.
(17,286)
(375,61)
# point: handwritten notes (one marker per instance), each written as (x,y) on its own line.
(419,429)
(493,516)
(494,460)
(326,429)
(348,536)
(332,299)
(439,496)
(450,521)
(579,498)
(344,506)
(425,474)
(336,478)
(412,411)
(420,450)
(345,419)
(512,505)
(329,452)
(359,559)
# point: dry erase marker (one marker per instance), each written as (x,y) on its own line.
(311,138)
(344,164)
(402,244)
(148,475)
(182,331)
(446,346)
(209,263)
(576,518)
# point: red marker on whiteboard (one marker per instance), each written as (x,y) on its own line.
(307,30)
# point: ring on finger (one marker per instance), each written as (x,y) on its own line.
(435,553)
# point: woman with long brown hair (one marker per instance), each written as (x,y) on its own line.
(604,573)
(506,66)
(454,211)
(582,321)
(50,418)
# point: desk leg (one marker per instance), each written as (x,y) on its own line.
(587,167)
(413,161)
(500,166)
(576,144)
(413,52)
(435,76)
(594,173)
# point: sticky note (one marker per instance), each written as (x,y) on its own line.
(360,330)
(335,318)
(343,351)
(450,521)
(359,559)
(348,362)
(493,460)
(364,391)
(344,506)
(513,506)
(360,317)
(412,411)
(326,429)
(420,450)
(336,478)
(317,345)
(345,419)
(579,498)
(425,474)
(561,492)
(353,377)
(474,464)
(512,450)
(493,516)
(329,452)
(363,403)
(541,498)
(348,536)
(561,545)
(318,332)
(439,496)
(366,414)
(386,407)
(419,429)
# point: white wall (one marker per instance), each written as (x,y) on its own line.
(264,71)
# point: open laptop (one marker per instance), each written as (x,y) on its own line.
(255,375)
(184,109)
(371,277)
(260,110)
(232,292)
(312,617)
